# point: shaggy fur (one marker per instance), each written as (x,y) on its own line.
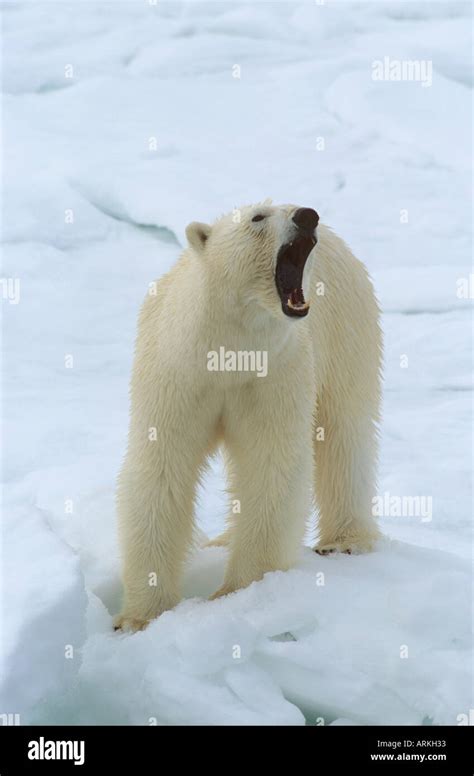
(323,373)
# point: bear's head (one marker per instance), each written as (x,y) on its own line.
(258,255)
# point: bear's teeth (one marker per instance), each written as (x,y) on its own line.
(298,306)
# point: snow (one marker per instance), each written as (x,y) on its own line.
(103,170)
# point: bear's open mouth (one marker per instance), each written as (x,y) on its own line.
(291,261)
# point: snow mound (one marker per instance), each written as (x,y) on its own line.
(44,605)
(354,637)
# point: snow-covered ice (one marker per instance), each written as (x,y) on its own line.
(123,122)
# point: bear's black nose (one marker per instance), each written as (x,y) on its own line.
(306,218)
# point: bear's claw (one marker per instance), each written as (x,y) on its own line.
(331,551)
(350,546)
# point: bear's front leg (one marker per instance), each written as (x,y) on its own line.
(155,525)
(267,431)
(156,493)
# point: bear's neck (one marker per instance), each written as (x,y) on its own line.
(240,323)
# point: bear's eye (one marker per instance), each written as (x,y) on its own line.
(259,217)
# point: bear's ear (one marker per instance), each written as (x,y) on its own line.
(198,234)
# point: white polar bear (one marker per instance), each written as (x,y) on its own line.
(240,287)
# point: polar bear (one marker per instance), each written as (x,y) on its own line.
(265,279)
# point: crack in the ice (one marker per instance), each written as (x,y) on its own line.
(162,233)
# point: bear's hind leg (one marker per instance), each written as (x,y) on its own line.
(268,438)
(345,463)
